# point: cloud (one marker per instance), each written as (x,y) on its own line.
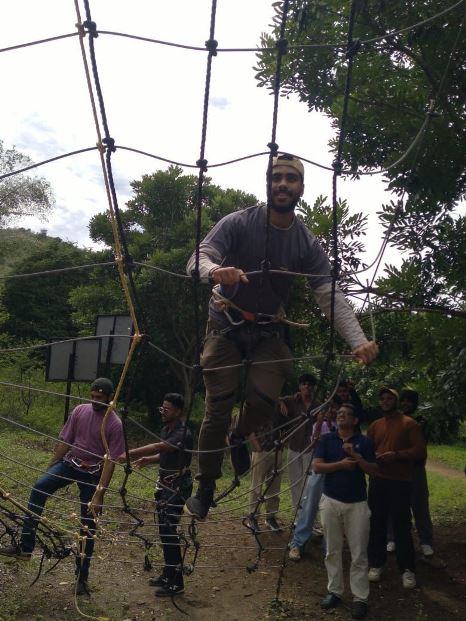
(39,137)
(219,102)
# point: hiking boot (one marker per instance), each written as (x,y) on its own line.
(272,524)
(169,590)
(158,581)
(82,588)
(15,552)
(330,601)
(253,524)
(409,579)
(294,554)
(374,574)
(239,454)
(358,609)
(198,506)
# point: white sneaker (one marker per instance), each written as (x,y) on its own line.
(426,549)
(409,579)
(391,546)
(374,574)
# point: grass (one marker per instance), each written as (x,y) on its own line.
(452,455)
(447,496)
(447,499)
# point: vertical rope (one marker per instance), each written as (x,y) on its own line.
(282,46)
(211,46)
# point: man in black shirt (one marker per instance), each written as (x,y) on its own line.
(173,488)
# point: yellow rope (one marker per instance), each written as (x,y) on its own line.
(55,525)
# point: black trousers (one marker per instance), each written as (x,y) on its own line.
(170,504)
(390,499)
(419,507)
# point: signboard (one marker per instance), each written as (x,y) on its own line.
(75,361)
(114,348)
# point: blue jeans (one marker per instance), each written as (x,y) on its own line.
(48,484)
(309,507)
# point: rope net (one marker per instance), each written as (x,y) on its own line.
(130,518)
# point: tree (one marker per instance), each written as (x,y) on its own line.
(21,195)
(159,224)
(394,80)
(41,310)
(400,83)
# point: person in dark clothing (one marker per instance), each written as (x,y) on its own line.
(409,400)
(297,408)
(399,445)
(173,488)
(347,393)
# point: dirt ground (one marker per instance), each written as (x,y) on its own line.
(221,588)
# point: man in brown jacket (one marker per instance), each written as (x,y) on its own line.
(399,444)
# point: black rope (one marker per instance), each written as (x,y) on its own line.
(281,48)
(52,159)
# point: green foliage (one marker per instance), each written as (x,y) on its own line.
(319,220)
(21,195)
(394,79)
(160,225)
(42,311)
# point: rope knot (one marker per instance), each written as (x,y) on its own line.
(211,46)
(110,142)
(335,271)
(337,166)
(282,45)
(129,262)
(431,111)
(81,30)
(202,165)
(273,146)
(91,28)
(144,338)
(265,266)
(195,275)
(353,48)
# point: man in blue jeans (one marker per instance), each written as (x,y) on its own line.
(78,458)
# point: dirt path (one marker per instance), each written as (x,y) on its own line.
(221,588)
(446,471)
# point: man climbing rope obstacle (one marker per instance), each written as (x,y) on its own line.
(247,314)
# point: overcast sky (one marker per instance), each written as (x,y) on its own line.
(154,98)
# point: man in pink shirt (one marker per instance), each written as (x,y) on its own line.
(78,458)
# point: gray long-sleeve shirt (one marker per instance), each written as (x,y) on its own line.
(239,239)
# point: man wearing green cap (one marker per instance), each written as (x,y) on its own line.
(247,314)
(78,458)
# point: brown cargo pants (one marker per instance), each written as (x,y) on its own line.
(262,386)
